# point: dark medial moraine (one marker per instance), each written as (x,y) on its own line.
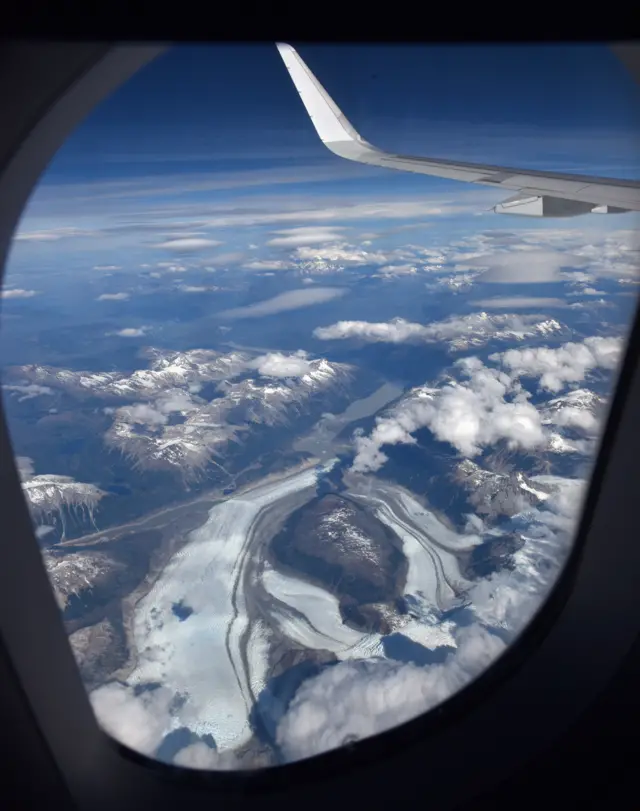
(340,546)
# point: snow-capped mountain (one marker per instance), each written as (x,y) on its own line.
(51,498)
(143,432)
(579,409)
(577,419)
(495,494)
(484,327)
(75,573)
(167,369)
(168,425)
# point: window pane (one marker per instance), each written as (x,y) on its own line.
(305,440)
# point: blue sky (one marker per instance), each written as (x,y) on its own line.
(213,141)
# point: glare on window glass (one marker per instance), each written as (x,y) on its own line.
(305,439)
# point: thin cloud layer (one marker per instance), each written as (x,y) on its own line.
(519,302)
(525,267)
(188,245)
(284,302)
(305,235)
(131,332)
(17,292)
(113,297)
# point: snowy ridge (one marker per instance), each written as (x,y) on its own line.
(50,496)
(168,426)
(167,369)
(495,493)
(145,436)
(76,572)
(459,332)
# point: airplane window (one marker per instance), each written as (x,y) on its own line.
(305,384)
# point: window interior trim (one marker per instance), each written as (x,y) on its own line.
(534,704)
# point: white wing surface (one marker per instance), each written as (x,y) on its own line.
(542,194)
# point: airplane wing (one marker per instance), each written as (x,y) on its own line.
(546,194)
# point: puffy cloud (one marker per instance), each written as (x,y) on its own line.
(188,245)
(292,300)
(569,363)
(139,722)
(462,331)
(395,331)
(469,415)
(113,297)
(305,235)
(200,756)
(171,401)
(141,414)
(17,292)
(356,699)
(276,364)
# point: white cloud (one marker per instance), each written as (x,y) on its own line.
(54,234)
(519,302)
(526,267)
(200,756)
(28,390)
(111,267)
(462,331)
(268,264)
(113,296)
(470,416)
(141,414)
(188,245)
(25,467)
(292,300)
(276,364)
(569,363)
(139,722)
(305,235)
(18,293)
(398,270)
(171,401)
(380,210)
(509,598)
(341,254)
(131,332)
(357,699)
(587,291)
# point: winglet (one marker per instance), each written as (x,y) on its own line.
(330,123)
